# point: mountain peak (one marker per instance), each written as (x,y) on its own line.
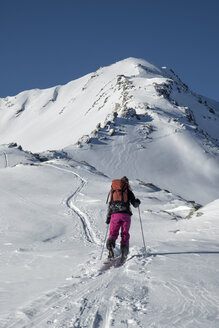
(57,117)
(129,115)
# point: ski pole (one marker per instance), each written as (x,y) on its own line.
(104,242)
(142,229)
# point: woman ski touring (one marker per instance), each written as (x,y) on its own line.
(119,215)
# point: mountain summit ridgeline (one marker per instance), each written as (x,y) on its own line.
(58,117)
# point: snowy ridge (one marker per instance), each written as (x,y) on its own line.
(133,119)
(49,119)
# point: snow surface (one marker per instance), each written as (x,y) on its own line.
(166,133)
(132,119)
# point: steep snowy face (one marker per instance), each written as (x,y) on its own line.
(57,117)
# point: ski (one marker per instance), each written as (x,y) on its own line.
(115,262)
(108,263)
(120,262)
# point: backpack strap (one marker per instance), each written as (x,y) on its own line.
(112,192)
(108,197)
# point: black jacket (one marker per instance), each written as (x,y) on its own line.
(120,207)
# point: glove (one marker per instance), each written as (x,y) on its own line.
(137,202)
(108,219)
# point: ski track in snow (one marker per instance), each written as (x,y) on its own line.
(5,159)
(98,299)
(118,297)
(89,233)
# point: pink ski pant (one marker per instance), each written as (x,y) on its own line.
(123,221)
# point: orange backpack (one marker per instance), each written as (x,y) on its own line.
(119,191)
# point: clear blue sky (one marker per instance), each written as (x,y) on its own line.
(44,43)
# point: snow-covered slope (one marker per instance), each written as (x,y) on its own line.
(57,117)
(52,217)
(162,131)
(132,119)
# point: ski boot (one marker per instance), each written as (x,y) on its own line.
(110,244)
(124,250)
